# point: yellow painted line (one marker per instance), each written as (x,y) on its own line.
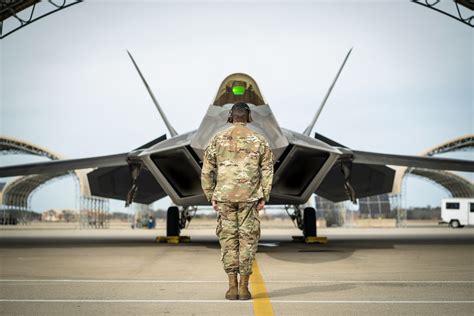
(261,302)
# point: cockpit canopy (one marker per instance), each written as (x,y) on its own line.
(238,87)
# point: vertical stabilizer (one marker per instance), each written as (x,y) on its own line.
(308,129)
(158,107)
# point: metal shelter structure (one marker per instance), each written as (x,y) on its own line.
(454,184)
(16,14)
(16,195)
(460,10)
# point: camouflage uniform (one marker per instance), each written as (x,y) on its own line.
(237,172)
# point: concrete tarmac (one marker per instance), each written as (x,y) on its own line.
(422,271)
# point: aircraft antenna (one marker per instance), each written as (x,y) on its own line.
(158,107)
(308,129)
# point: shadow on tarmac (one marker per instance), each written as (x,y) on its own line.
(313,289)
(279,248)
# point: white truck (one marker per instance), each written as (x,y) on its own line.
(457,212)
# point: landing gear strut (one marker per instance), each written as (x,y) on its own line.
(305,221)
(177,218)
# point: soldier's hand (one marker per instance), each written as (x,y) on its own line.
(260,204)
(214,205)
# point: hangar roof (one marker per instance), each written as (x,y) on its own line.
(456,185)
(16,14)
(19,190)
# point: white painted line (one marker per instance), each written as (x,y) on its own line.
(111,281)
(227,301)
(269,244)
(374,281)
(373,302)
(210,281)
(118,301)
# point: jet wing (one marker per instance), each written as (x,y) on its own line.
(366,180)
(365,157)
(115,181)
(64,165)
(369,173)
(110,179)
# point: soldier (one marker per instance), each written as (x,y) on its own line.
(236,177)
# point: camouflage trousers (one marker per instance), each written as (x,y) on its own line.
(238,229)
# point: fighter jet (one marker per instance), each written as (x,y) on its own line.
(304,163)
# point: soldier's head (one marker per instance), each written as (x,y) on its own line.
(240,112)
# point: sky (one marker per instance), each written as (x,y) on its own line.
(66,82)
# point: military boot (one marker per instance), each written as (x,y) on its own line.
(244,293)
(232,293)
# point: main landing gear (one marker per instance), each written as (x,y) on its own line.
(177,218)
(309,222)
(305,221)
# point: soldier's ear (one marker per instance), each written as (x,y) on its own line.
(230,119)
(249,118)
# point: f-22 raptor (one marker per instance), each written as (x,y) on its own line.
(304,163)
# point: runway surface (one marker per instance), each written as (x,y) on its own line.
(423,271)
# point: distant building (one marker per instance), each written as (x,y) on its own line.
(49,216)
(58,216)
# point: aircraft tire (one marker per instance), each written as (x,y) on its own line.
(172,221)
(309,222)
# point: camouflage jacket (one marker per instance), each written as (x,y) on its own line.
(237,166)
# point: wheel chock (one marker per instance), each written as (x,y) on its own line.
(315,240)
(184,239)
(310,239)
(173,239)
